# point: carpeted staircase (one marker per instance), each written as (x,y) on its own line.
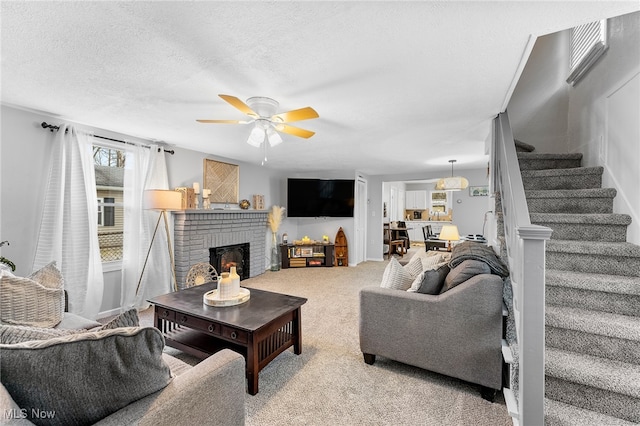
(592,294)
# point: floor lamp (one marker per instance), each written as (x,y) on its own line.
(162,200)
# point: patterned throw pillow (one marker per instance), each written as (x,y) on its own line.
(103,371)
(37,300)
(49,276)
(11,334)
(396,277)
(414,267)
(431,262)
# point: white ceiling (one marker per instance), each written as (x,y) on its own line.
(399,86)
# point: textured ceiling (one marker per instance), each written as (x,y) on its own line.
(399,86)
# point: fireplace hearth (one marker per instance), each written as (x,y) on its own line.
(223,258)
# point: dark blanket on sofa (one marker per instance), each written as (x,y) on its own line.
(477,251)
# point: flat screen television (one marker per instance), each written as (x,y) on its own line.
(320,197)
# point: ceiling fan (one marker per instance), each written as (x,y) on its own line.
(262,112)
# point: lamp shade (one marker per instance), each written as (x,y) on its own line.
(256,137)
(449,233)
(453,183)
(162,199)
(273,137)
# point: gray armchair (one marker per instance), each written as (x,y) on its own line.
(457,333)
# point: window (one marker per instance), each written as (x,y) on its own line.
(106,211)
(100,211)
(588,44)
(109,171)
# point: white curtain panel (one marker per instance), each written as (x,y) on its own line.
(69,228)
(144,169)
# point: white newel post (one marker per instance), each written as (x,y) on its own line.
(530,301)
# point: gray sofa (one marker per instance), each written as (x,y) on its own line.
(212,392)
(457,333)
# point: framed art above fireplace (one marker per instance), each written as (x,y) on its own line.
(223,181)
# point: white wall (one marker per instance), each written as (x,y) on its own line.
(597,117)
(25,149)
(468,215)
(604,111)
(468,212)
(538,107)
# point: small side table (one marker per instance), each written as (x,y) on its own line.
(435,245)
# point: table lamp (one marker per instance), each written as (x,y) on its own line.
(449,233)
(162,200)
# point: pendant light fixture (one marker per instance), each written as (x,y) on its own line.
(453,183)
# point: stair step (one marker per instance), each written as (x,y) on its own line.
(524,147)
(598,292)
(557,413)
(593,257)
(600,334)
(533,161)
(598,384)
(574,178)
(571,200)
(586,226)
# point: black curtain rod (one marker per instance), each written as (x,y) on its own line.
(52,127)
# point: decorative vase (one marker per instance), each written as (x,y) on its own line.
(224,286)
(235,282)
(275,253)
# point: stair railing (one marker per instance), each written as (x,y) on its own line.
(525,244)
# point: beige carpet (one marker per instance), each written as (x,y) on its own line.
(329,383)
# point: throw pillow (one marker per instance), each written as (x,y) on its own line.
(84,377)
(433,280)
(125,319)
(431,262)
(463,272)
(27,301)
(414,267)
(11,334)
(395,276)
(49,276)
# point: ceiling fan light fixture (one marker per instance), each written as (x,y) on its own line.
(256,137)
(452,183)
(273,137)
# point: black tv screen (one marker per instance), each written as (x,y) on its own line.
(320,197)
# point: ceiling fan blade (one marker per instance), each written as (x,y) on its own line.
(237,103)
(296,131)
(223,121)
(296,115)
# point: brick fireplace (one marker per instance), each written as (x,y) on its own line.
(198,231)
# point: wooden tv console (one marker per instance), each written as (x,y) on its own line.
(306,255)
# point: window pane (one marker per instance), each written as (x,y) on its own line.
(109,169)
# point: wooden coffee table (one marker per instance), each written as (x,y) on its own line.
(259,329)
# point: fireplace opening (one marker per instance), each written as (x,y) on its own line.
(223,258)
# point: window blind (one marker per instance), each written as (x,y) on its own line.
(588,43)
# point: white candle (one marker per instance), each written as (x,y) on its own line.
(206,192)
(196,187)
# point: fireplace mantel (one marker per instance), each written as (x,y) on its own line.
(196,231)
